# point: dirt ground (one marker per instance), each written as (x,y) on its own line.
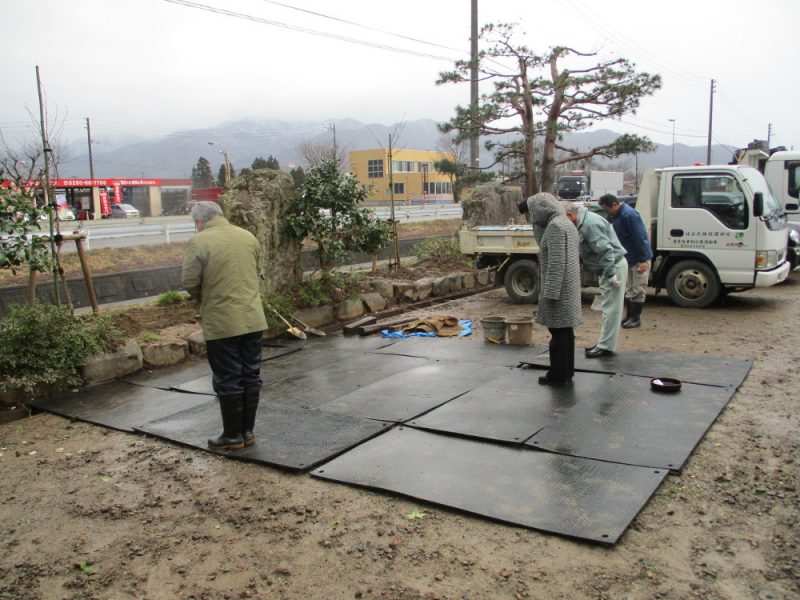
(94,513)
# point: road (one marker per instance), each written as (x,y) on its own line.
(122,233)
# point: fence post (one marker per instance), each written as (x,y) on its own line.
(166,233)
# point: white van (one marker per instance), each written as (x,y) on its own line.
(714,229)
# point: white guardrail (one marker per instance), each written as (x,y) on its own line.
(106,230)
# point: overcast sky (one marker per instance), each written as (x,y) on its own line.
(148,67)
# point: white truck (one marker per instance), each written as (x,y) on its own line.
(782,171)
(714,230)
(589,185)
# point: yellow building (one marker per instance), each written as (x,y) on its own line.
(414,179)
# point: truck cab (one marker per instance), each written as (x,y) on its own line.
(714,229)
(782,171)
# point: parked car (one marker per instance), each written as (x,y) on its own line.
(124,211)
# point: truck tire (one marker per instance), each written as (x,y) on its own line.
(692,284)
(522,281)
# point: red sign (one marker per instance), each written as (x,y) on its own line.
(105,207)
(103,182)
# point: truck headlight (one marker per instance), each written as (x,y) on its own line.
(766,259)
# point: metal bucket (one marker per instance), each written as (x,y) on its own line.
(519,331)
(494,329)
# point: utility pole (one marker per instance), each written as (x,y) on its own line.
(89,137)
(473,96)
(332,127)
(391,200)
(673,141)
(710,120)
(769,135)
(46,183)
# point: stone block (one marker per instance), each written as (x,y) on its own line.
(350,309)
(482,276)
(440,286)
(405,291)
(165,352)
(456,283)
(468,281)
(314,317)
(374,301)
(197,342)
(109,365)
(424,288)
(384,288)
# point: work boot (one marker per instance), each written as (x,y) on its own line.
(231,406)
(634,315)
(249,415)
(626,311)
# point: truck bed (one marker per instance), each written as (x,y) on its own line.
(498,239)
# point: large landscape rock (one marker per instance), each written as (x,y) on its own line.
(314,317)
(110,365)
(260,202)
(492,204)
(350,309)
(374,301)
(165,352)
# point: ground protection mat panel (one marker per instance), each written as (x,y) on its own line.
(298,362)
(117,404)
(576,497)
(708,370)
(470,349)
(510,408)
(286,436)
(166,378)
(415,391)
(320,384)
(625,421)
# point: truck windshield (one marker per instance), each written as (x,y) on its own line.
(757,183)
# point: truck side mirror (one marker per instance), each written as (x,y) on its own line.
(758,204)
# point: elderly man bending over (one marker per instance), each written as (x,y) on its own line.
(603,255)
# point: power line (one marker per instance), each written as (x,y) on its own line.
(600,25)
(399,35)
(262,21)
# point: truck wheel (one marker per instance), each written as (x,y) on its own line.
(692,284)
(522,281)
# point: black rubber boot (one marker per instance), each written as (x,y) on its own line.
(626,311)
(634,315)
(231,407)
(249,415)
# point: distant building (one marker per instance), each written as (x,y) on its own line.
(414,178)
(90,199)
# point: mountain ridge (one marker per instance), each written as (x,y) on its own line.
(174,155)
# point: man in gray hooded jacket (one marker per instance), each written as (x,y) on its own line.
(603,255)
(559,285)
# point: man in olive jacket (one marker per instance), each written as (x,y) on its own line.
(603,255)
(221,271)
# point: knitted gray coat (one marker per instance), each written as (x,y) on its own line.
(559,264)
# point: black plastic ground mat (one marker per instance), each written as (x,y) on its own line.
(117,404)
(510,408)
(708,370)
(415,391)
(167,378)
(472,349)
(319,384)
(286,436)
(576,497)
(300,361)
(625,421)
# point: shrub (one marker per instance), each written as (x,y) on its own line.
(169,298)
(281,303)
(440,248)
(45,344)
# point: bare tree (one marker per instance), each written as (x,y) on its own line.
(23,159)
